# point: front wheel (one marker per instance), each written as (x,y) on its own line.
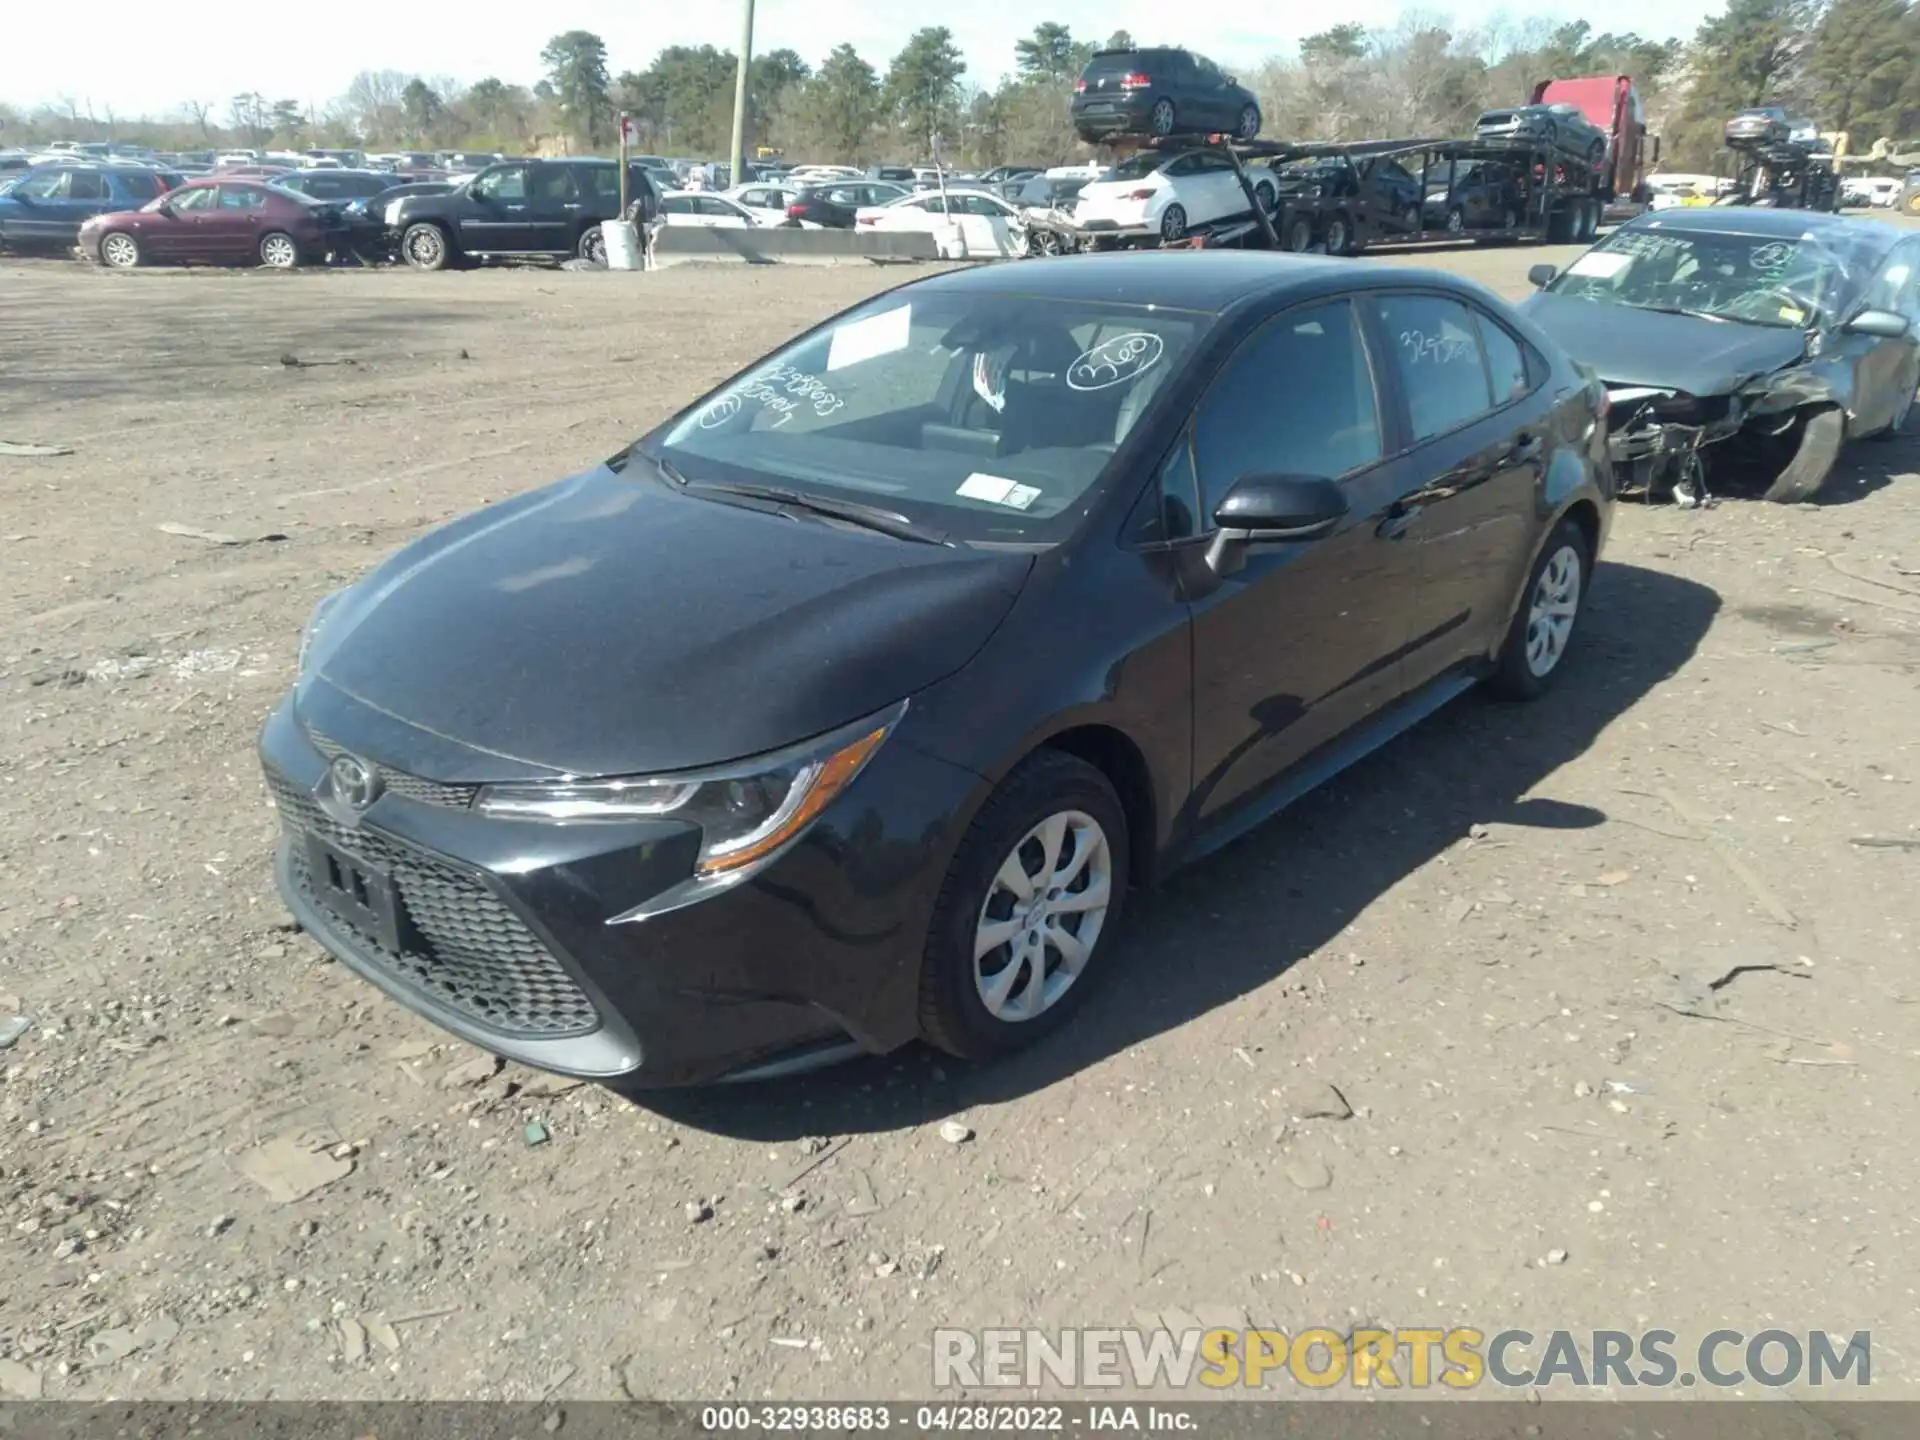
(1299,234)
(1339,235)
(1543,627)
(1247,127)
(1046,242)
(1265,197)
(1410,220)
(1173,224)
(1456,221)
(425,247)
(1027,908)
(278,251)
(593,245)
(119,251)
(1822,433)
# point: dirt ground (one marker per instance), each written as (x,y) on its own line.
(1625,1009)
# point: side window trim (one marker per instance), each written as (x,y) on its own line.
(1483,321)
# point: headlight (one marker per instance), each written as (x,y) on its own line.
(314,621)
(393,213)
(745,811)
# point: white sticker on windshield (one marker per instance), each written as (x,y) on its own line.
(1599,264)
(859,340)
(1116,361)
(997,491)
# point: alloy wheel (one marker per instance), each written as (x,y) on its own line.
(593,246)
(1249,126)
(1163,117)
(278,252)
(122,252)
(425,247)
(1551,612)
(1456,221)
(1042,916)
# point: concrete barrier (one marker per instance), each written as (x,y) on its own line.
(779,245)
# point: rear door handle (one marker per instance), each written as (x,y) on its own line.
(1399,520)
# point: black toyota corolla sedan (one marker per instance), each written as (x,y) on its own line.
(845,707)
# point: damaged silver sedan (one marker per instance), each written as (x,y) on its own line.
(1737,341)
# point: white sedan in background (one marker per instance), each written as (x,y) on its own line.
(965,224)
(1155,192)
(713,212)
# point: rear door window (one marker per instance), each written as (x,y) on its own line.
(87,185)
(1439,361)
(138,185)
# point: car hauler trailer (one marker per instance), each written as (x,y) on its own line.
(1801,174)
(1512,191)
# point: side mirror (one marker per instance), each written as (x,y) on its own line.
(1272,509)
(1882,324)
(1541,276)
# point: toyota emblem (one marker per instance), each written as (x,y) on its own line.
(354,781)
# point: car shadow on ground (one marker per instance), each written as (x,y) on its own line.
(1230,924)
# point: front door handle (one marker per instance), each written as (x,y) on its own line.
(1399,520)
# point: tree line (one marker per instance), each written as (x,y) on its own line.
(1850,65)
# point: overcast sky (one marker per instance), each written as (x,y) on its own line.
(136,57)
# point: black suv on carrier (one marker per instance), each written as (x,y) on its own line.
(1160,92)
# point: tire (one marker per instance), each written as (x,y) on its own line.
(962,1011)
(1536,645)
(1410,220)
(1299,236)
(1339,235)
(1046,242)
(1508,219)
(1173,224)
(1456,221)
(425,246)
(593,246)
(1161,118)
(1822,433)
(1266,197)
(1247,127)
(120,251)
(1596,155)
(278,251)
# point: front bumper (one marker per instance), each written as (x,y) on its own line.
(511,935)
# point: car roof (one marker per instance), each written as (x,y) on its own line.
(1213,281)
(1775,223)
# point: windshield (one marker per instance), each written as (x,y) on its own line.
(1754,279)
(989,417)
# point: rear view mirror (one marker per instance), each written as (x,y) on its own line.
(1266,509)
(1883,324)
(1541,276)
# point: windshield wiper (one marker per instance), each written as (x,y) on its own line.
(1681,310)
(869,517)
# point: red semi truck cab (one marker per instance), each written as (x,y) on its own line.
(1611,102)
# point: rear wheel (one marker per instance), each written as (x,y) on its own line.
(1508,219)
(1339,235)
(278,251)
(425,247)
(1161,118)
(1821,432)
(593,245)
(1543,627)
(1410,219)
(1299,234)
(119,250)
(1173,223)
(1026,910)
(1265,196)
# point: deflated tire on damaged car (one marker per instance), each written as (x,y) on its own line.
(844,708)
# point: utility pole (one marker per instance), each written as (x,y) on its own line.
(736,172)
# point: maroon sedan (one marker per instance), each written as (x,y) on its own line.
(217,220)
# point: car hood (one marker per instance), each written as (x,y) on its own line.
(611,626)
(1625,346)
(96,220)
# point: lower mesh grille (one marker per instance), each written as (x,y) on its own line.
(473,955)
